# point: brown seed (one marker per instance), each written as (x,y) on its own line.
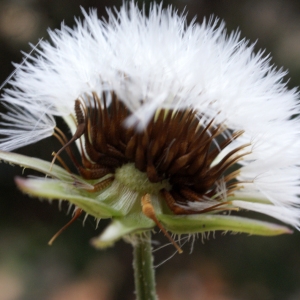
(178,146)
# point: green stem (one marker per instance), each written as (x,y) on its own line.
(143,268)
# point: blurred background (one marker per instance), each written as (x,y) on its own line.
(221,268)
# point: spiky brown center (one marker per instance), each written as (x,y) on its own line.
(176,145)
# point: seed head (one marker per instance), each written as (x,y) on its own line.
(174,124)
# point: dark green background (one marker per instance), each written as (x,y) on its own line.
(227,267)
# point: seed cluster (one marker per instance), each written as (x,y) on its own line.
(175,145)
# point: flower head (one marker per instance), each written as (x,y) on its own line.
(175,123)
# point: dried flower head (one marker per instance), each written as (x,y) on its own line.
(175,124)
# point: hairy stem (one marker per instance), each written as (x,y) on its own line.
(143,268)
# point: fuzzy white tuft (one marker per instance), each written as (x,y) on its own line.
(161,62)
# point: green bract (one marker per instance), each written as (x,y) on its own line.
(121,202)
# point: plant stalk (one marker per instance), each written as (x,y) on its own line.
(144,277)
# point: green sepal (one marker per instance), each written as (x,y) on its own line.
(203,223)
(55,189)
(122,227)
(37,165)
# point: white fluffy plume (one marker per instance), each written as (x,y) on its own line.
(158,61)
